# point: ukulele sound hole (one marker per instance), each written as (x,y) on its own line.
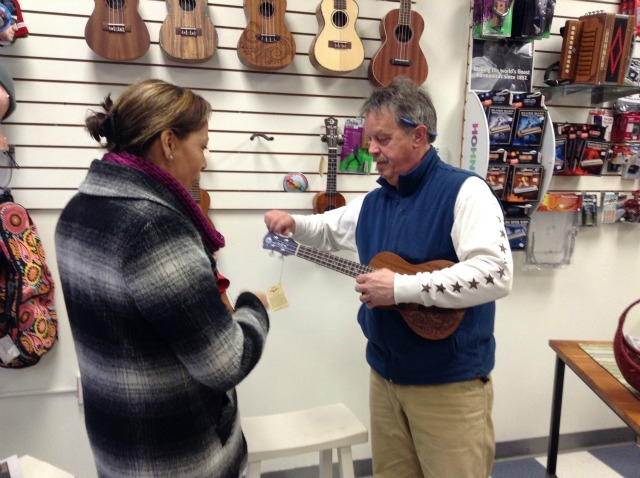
(339,19)
(188,5)
(266,9)
(403,33)
(115,4)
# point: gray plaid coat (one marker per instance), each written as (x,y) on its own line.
(159,354)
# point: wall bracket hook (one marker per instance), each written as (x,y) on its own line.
(262,135)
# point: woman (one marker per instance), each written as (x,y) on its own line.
(159,352)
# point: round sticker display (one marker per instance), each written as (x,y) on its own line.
(295,183)
(5,18)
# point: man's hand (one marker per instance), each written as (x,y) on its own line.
(376,288)
(279,222)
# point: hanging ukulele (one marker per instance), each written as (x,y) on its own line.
(201,196)
(116,31)
(266,43)
(331,199)
(337,48)
(400,53)
(187,34)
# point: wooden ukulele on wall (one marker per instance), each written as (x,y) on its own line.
(400,53)
(187,35)
(337,48)
(116,31)
(331,199)
(266,43)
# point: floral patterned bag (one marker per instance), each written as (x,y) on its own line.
(28,321)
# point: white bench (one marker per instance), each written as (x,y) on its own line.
(318,429)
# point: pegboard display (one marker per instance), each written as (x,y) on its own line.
(58,78)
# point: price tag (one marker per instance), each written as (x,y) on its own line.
(277,298)
(8,350)
(322,165)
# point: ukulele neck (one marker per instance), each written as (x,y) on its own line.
(330,261)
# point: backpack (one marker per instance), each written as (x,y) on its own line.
(28,320)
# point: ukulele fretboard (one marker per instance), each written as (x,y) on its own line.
(335,263)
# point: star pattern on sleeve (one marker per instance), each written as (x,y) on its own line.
(476,283)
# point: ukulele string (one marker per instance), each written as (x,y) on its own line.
(185,13)
(264,18)
(272,21)
(403,25)
(341,37)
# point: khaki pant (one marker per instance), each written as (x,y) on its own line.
(431,431)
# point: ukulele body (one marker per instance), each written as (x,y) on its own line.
(400,53)
(266,43)
(187,35)
(337,49)
(115,30)
(323,202)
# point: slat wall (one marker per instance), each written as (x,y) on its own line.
(58,78)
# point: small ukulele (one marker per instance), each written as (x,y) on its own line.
(331,199)
(428,322)
(116,31)
(187,35)
(266,43)
(400,53)
(201,196)
(337,48)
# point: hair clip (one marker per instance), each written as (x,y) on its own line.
(415,125)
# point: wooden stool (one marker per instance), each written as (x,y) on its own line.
(318,429)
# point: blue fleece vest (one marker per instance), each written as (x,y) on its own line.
(414,221)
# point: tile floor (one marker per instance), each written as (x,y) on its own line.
(621,461)
(618,461)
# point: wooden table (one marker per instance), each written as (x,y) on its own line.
(605,385)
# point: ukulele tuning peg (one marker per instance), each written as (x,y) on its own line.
(323,138)
(340,140)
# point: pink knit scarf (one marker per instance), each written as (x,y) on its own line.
(211,237)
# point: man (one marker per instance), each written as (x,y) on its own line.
(486,69)
(430,400)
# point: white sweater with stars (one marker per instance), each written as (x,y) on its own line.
(478,235)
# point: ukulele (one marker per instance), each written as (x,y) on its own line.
(116,31)
(331,199)
(201,196)
(266,43)
(428,322)
(400,53)
(187,35)
(337,48)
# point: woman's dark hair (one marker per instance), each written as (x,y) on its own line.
(143,111)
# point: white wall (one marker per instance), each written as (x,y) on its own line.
(315,350)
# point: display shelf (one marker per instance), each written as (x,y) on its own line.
(593,94)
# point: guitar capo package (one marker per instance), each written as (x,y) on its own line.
(492,18)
